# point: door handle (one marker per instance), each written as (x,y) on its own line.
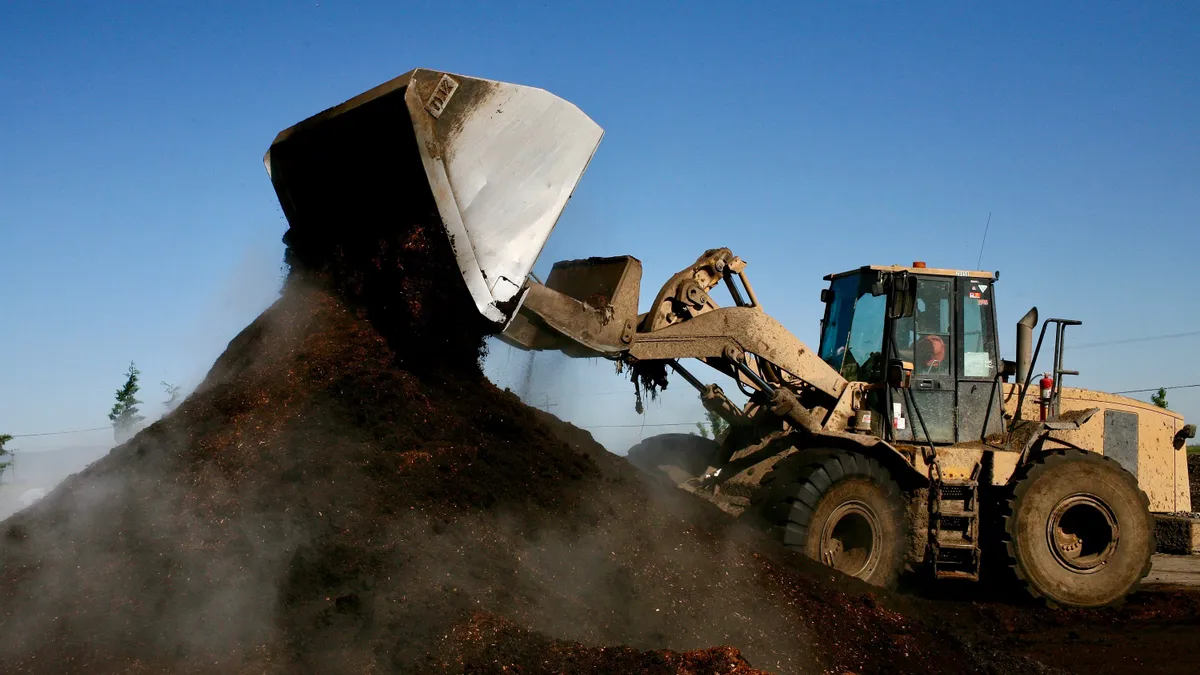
(925,384)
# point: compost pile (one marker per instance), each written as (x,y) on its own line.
(346,493)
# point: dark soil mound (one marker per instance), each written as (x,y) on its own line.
(347,493)
(1151,632)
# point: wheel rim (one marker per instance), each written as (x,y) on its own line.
(1082,533)
(851,540)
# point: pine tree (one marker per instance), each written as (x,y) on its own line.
(124,415)
(1159,398)
(4,454)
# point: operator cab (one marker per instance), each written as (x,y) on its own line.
(941,321)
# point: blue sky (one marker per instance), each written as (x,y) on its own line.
(137,222)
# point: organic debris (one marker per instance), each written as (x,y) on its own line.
(346,493)
(649,378)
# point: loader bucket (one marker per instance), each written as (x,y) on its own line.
(499,160)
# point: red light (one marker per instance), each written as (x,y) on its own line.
(919,265)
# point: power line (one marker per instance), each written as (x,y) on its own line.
(59,433)
(1154,389)
(1126,341)
(639,426)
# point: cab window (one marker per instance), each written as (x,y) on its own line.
(978,329)
(838,312)
(925,337)
(852,340)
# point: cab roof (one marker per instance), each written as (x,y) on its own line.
(931,271)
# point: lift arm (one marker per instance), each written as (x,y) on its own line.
(588,308)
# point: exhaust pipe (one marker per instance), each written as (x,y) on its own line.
(1025,344)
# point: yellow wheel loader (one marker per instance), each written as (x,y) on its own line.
(902,440)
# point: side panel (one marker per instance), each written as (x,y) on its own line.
(1183,489)
(1121,439)
(973,410)
(1161,467)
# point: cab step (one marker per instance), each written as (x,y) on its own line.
(954,521)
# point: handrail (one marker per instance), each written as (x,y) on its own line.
(1059,334)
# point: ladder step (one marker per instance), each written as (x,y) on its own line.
(958,574)
(955,521)
(956,545)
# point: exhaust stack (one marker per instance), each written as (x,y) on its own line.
(499,160)
(1025,344)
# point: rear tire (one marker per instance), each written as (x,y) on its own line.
(841,509)
(677,457)
(1078,530)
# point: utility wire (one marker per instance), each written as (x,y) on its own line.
(1154,389)
(639,426)
(59,433)
(1126,341)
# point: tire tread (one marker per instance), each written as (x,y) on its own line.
(1021,483)
(795,485)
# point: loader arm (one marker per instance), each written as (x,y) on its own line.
(588,308)
(722,331)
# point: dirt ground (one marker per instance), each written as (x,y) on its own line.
(1154,631)
(313,508)
(346,493)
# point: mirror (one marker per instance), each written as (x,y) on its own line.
(1007,369)
(904,296)
(878,285)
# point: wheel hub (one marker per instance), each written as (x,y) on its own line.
(1082,533)
(851,540)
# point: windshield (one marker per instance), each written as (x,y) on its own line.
(852,342)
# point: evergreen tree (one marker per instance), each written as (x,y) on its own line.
(1159,398)
(124,415)
(4,454)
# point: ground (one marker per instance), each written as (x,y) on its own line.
(345,492)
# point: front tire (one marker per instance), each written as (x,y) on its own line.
(1078,529)
(841,509)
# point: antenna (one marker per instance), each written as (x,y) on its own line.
(979,261)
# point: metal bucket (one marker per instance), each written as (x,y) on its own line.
(499,160)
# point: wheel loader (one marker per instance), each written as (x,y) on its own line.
(901,442)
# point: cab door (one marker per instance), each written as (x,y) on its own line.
(926,340)
(978,392)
